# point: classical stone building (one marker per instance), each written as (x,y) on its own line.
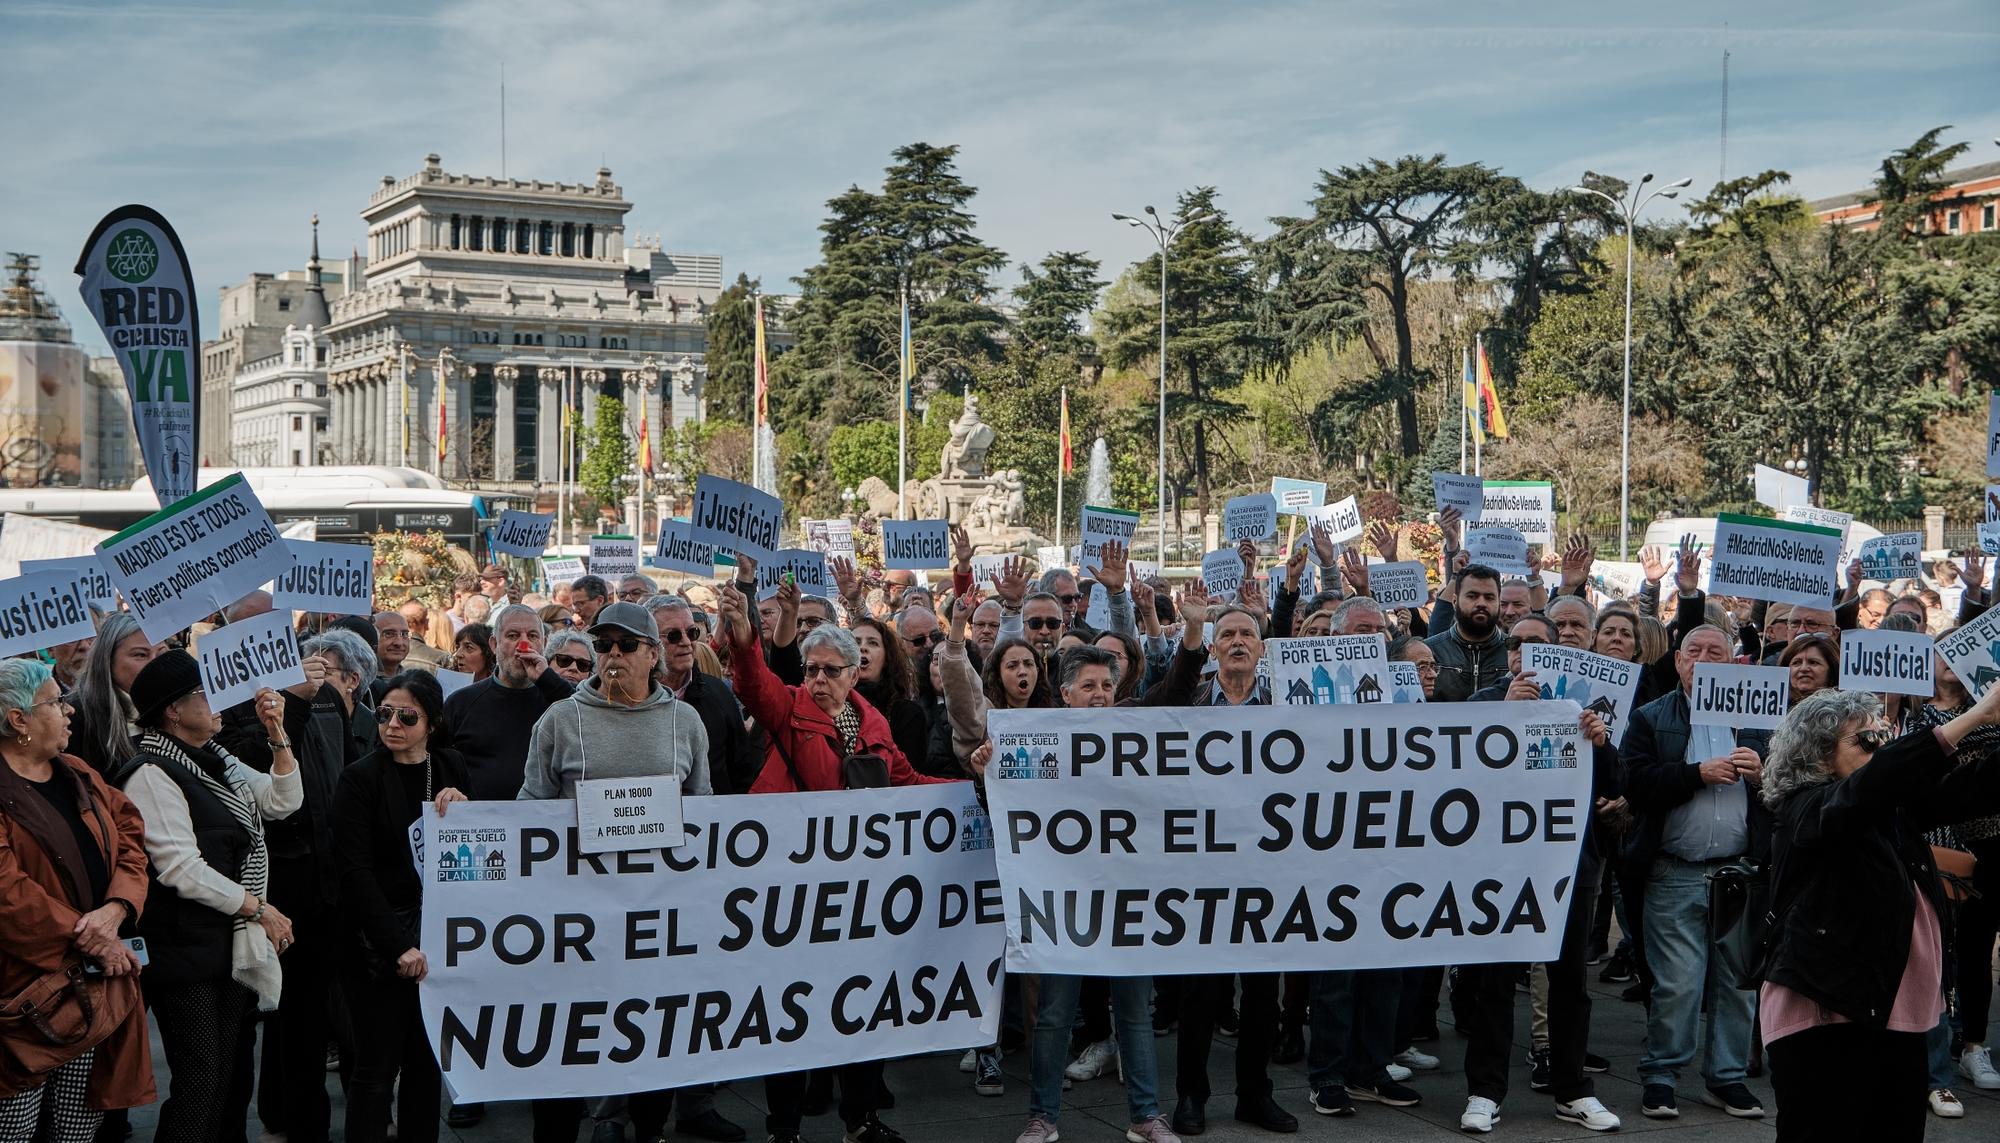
(65,417)
(278,412)
(251,320)
(497,297)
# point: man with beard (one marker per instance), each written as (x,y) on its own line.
(1473,652)
(1043,619)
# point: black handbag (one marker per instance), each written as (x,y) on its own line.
(1741,920)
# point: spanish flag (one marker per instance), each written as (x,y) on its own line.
(442,430)
(1068,458)
(763,411)
(908,356)
(645,441)
(1489,398)
(1469,397)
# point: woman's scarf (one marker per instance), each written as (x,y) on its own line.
(253,959)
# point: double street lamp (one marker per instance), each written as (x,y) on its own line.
(1164,233)
(1629,208)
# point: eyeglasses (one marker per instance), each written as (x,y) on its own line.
(407,715)
(809,622)
(676,634)
(625,643)
(1428,668)
(1516,642)
(930,640)
(822,671)
(571,662)
(633,595)
(1042,623)
(63,703)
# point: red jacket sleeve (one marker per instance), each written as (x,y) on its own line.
(35,924)
(128,872)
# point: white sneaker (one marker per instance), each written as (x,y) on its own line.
(1945,1105)
(1976,1064)
(1398,1072)
(1588,1111)
(1416,1059)
(1095,1060)
(1480,1115)
(968,1061)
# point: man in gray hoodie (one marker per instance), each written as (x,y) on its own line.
(621,723)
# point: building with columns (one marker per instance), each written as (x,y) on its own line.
(500,300)
(253,320)
(278,412)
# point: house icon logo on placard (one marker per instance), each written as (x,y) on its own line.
(975,829)
(472,855)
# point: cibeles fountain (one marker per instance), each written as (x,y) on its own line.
(993,506)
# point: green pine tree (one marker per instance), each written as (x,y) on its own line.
(607,454)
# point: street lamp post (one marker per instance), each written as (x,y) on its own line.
(1629,209)
(1164,233)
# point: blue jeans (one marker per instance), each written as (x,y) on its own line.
(1937,1044)
(1688,966)
(1353,1027)
(1055,1016)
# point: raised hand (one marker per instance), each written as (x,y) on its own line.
(1142,606)
(1974,568)
(1354,569)
(1246,550)
(961,612)
(1383,536)
(980,758)
(1452,523)
(1295,565)
(1194,604)
(1323,547)
(961,550)
(1251,596)
(846,580)
(1577,558)
(1653,562)
(1012,583)
(1687,574)
(734,611)
(787,627)
(1114,559)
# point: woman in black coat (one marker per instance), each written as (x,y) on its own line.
(381,896)
(1852,969)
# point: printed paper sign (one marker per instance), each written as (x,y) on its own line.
(1141,569)
(1897,555)
(1501,548)
(616,815)
(137,284)
(523,534)
(1739,697)
(1465,493)
(1992,506)
(1594,682)
(614,556)
(678,551)
(1775,560)
(1400,584)
(834,537)
(1527,506)
(730,516)
(1308,581)
(88,573)
(1097,613)
(1779,489)
(451,682)
(1049,556)
(561,569)
(896,950)
(1973,652)
(338,579)
(1405,683)
(988,568)
(1222,573)
(1253,517)
(1819,517)
(1365,836)
(1296,497)
(1323,669)
(1993,435)
(41,609)
(807,568)
(1341,520)
(1989,539)
(243,657)
(915,545)
(1887,662)
(1101,524)
(195,557)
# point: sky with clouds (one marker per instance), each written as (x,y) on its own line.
(730,124)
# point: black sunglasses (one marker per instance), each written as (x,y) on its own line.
(572,662)
(930,640)
(1041,623)
(1874,738)
(626,643)
(408,716)
(676,634)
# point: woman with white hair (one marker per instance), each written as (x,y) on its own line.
(102,731)
(1852,968)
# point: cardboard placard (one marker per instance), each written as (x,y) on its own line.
(239,659)
(1297,497)
(1400,584)
(41,610)
(1323,669)
(1499,547)
(915,545)
(613,557)
(338,579)
(1897,555)
(524,534)
(89,574)
(1527,506)
(195,557)
(1465,493)
(1739,697)
(1888,662)
(1101,523)
(1340,520)
(1594,682)
(808,569)
(1253,517)
(1222,573)
(679,551)
(1775,560)
(732,516)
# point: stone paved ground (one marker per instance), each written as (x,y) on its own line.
(935,1103)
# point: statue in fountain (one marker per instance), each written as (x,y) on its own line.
(992,506)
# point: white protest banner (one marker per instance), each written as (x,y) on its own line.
(1776,560)
(1097,614)
(614,556)
(1400,584)
(1273,839)
(986,569)
(87,572)
(1340,520)
(562,569)
(1406,683)
(1049,556)
(1308,581)
(731,516)
(678,551)
(792,931)
(808,569)
(137,284)
(1819,517)
(524,534)
(1989,538)
(916,545)
(1222,573)
(1594,682)
(238,659)
(1739,697)
(1887,662)
(1779,490)
(1296,497)
(1897,555)
(1141,569)
(1253,517)
(1993,434)
(41,609)
(1991,515)
(338,579)
(1527,506)
(1100,524)
(1501,548)
(614,815)
(1465,493)
(1973,652)
(195,557)
(1327,669)
(451,682)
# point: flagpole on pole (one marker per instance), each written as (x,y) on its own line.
(1062,450)
(1464,410)
(903,360)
